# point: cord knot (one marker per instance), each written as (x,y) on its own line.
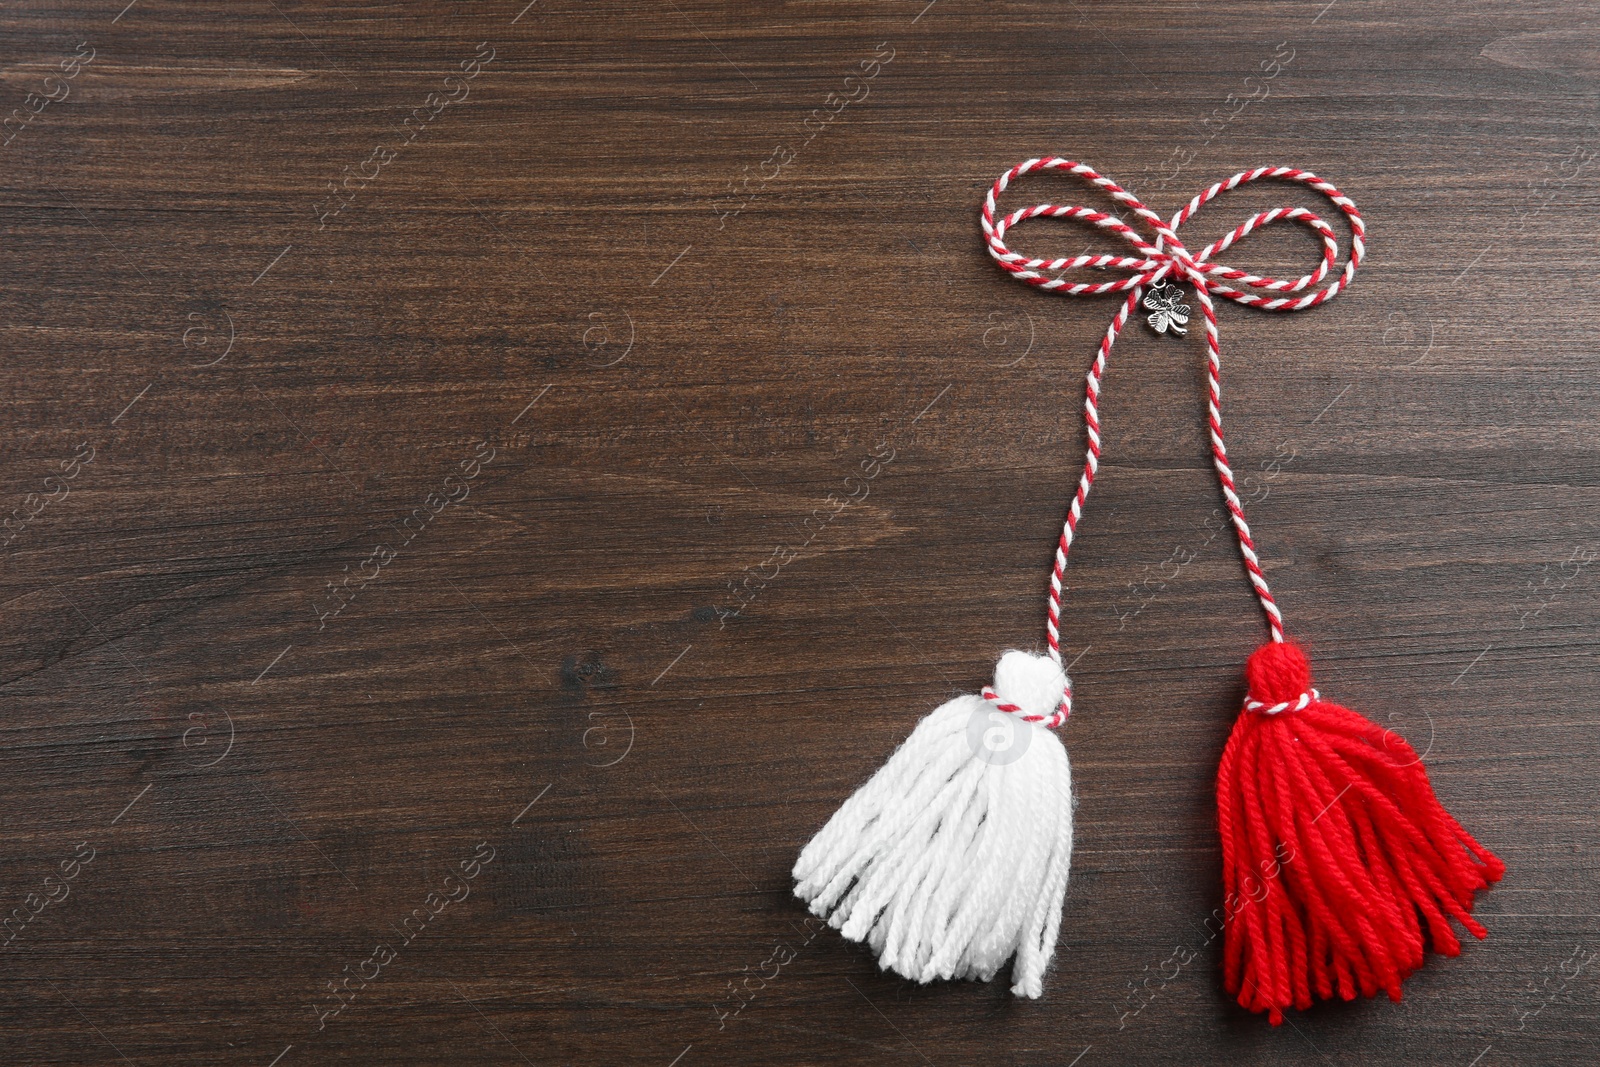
(1181,268)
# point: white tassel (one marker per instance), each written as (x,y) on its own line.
(954,856)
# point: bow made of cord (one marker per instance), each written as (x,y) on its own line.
(1167,258)
(1155,263)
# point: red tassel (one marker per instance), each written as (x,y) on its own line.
(1335,852)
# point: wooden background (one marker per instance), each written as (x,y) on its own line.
(397,399)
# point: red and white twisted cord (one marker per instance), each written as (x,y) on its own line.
(1168,258)
(1300,703)
(1049,722)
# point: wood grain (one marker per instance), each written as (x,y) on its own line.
(396,397)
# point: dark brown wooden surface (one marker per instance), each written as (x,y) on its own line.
(223,401)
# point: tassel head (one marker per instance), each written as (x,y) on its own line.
(1278,672)
(1338,859)
(954,856)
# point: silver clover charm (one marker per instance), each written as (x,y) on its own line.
(1168,314)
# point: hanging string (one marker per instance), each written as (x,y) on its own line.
(1167,260)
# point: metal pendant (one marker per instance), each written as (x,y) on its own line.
(1166,312)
